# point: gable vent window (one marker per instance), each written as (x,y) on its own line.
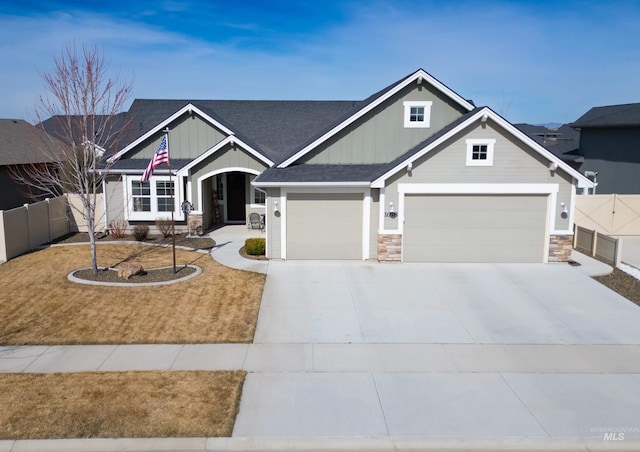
(480,152)
(417,114)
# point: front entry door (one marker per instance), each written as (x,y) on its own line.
(236,196)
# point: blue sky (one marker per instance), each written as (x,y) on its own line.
(531,61)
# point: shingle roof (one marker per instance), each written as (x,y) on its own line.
(563,142)
(23,143)
(627,115)
(320,173)
(274,127)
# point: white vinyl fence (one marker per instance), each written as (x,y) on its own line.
(26,228)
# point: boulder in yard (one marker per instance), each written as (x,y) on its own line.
(128,269)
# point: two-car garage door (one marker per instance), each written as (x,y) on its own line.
(474,228)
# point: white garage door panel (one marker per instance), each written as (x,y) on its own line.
(324,226)
(474,228)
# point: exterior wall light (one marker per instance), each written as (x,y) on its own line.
(275,206)
(392,212)
(565,211)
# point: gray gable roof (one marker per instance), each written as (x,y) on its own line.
(23,143)
(563,142)
(274,128)
(627,115)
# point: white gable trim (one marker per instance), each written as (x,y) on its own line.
(483,115)
(418,76)
(189,108)
(230,140)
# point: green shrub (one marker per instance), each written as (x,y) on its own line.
(255,247)
(141,232)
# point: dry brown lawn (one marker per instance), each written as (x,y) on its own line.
(39,305)
(119,404)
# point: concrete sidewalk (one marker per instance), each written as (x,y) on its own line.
(229,239)
(324,358)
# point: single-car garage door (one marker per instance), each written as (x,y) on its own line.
(474,228)
(324,225)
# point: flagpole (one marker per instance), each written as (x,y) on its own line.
(173,198)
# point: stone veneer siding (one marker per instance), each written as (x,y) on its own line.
(560,248)
(195,220)
(389,247)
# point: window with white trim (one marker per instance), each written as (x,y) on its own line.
(151,199)
(417,114)
(480,152)
(259,197)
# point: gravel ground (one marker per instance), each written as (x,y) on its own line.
(202,243)
(623,283)
(154,275)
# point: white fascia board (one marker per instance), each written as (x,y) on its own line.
(412,78)
(189,108)
(229,140)
(485,113)
(486,189)
(311,184)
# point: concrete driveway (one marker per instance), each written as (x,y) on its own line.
(479,352)
(356,302)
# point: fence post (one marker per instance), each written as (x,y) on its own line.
(594,242)
(3,239)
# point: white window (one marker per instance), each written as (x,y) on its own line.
(152,199)
(417,114)
(259,197)
(480,152)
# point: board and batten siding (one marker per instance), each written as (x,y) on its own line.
(231,156)
(189,137)
(374,223)
(380,135)
(513,162)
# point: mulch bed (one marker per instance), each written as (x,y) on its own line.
(622,283)
(150,276)
(199,243)
(244,254)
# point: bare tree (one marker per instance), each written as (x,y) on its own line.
(80,112)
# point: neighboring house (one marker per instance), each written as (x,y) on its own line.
(563,141)
(21,145)
(414,173)
(610,145)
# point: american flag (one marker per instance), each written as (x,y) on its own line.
(161,157)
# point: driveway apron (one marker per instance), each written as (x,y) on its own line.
(430,350)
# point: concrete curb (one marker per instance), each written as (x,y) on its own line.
(197,272)
(320,444)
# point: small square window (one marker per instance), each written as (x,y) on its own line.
(417,114)
(480,152)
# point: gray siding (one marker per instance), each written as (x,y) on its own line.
(228,157)
(615,155)
(380,136)
(189,137)
(513,162)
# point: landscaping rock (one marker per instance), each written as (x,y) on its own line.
(128,269)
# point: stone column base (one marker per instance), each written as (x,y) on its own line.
(195,224)
(389,247)
(560,247)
